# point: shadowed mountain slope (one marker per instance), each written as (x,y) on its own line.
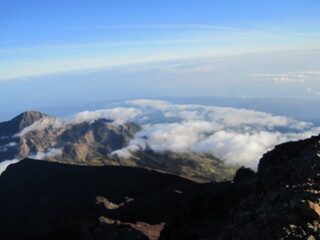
(40,199)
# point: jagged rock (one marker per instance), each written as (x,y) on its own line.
(310,209)
(310,237)
(244,174)
(265,205)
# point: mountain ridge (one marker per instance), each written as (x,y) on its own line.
(93,142)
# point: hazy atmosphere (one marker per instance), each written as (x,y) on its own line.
(67,52)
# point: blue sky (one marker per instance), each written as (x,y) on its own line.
(117,49)
(39,37)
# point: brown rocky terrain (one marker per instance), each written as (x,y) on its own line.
(91,143)
(78,143)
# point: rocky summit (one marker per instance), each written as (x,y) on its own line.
(18,123)
(43,200)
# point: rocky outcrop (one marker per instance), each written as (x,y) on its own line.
(284,204)
(280,201)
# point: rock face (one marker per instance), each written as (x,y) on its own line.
(36,135)
(280,201)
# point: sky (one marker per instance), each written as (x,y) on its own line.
(63,52)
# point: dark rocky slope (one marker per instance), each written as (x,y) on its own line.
(43,200)
(280,201)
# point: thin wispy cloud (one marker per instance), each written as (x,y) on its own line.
(181,68)
(275,31)
(5,147)
(49,153)
(191,41)
(165,26)
(168,26)
(225,34)
(105,44)
(313,91)
(301,76)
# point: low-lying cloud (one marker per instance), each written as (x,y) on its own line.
(5,147)
(118,115)
(236,136)
(49,153)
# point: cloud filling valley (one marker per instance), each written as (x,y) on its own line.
(236,136)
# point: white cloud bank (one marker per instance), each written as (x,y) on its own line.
(233,135)
(236,136)
(119,115)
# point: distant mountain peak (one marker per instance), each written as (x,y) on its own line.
(27,118)
(31,113)
(19,122)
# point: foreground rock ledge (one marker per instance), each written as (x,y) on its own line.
(42,200)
